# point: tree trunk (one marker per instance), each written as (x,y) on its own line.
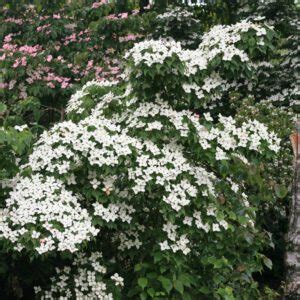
(293,237)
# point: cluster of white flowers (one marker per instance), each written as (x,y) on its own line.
(251,134)
(176,12)
(118,279)
(210,84)
(175,242)
(152,52)
(218,40)
(221,39)
(114,212)
(214,226)
(165,170)
(129,239)
(84,279)
(107,142)
(60,223)
(74,104)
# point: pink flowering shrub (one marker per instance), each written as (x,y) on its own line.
(47,56)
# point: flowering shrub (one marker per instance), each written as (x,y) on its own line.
(162,180)
(47,55)
(163,193)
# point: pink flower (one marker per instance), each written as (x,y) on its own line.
(23,61)
(8,38)
(123,15)
(41,28)
(51,85)
(129,37)
(64,84)
(2,57)
(58,79)
(49,58)
(9,47)
(23,95)
(75,71)
(3,85)
(90,64)
(56,16)
(98,4)
(13,20)
(31,50)
(29,80)
(16,63)
(111,17)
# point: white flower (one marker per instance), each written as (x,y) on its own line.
(224,224)
(208,117)
(118,279)
(216,227)
(20,128)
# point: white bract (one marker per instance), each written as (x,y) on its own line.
(43,203)
(84,279)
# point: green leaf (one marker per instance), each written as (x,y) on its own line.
(2,136)
(166,283)
(186,296)
(142,282)
(151,292)
(226,293)
(3,107)
(178,286)
(138,267)
(205,290)
(143,296)
(267,262)
(185,279)
(280,190)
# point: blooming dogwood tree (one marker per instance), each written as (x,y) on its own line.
(148,198)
